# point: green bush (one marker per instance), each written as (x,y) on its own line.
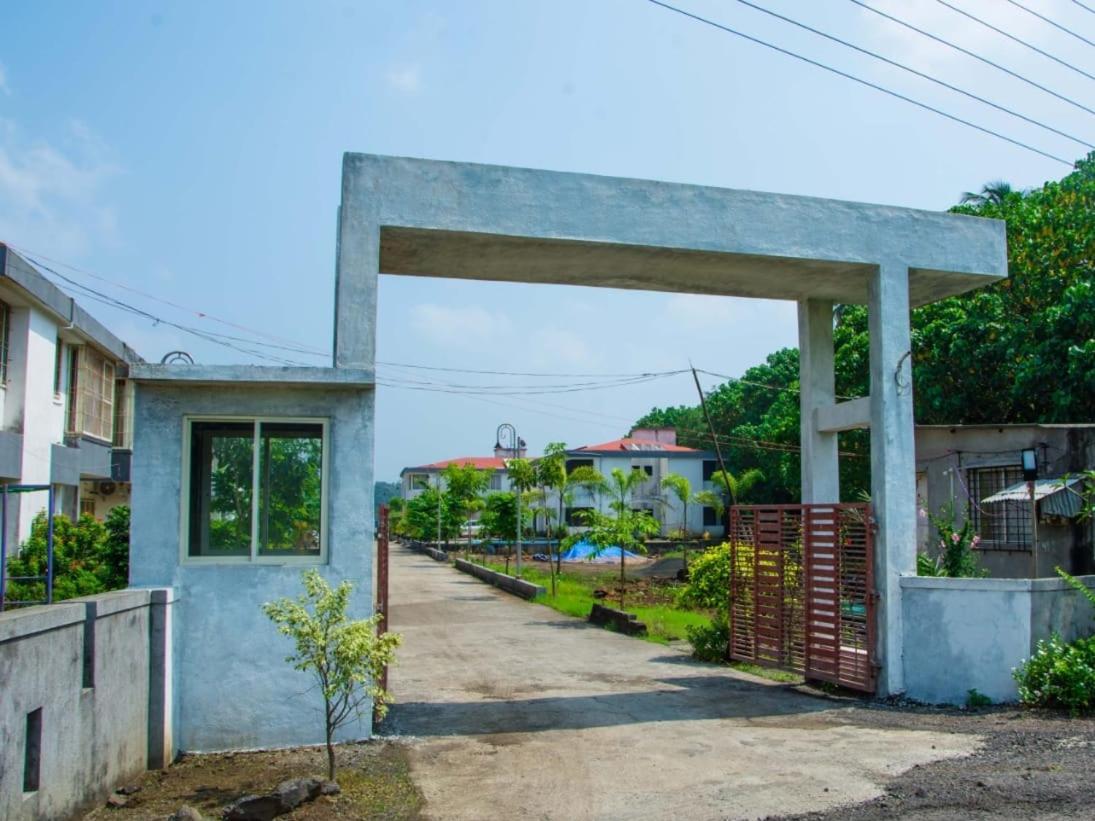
(1059,675)
(88,557)
(708,580)
(710,642)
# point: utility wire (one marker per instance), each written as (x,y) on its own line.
(1053,23)
(529,373)
(860,80)
(1086,8)
(974,55)
(1013,38)
(286,344)
(916,72)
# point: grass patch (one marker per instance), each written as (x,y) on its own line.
(769,673)
(574,597)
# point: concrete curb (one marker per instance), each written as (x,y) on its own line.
(518,587)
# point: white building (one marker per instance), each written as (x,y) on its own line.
(65,403)
(413,480)
(655,452)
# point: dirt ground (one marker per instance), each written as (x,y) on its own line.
(1031,765)
(374,777)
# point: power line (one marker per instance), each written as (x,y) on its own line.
(860,80)
(1084,7)
(528,373)
(1053,23)
(1018,40)
(287,344)
(209,336)
(974,55)
(916,72)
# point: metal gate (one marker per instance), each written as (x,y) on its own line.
(802,591)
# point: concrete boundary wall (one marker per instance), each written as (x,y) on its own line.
(963,634)
(83,701)
(511,584)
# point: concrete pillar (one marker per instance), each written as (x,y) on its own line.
(893,460)
(820,466)
(161,673)
(356,270)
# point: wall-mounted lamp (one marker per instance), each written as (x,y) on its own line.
(1030,465)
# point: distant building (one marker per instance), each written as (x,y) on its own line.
(413,480)
(978,470)
(65,402)
(656,453)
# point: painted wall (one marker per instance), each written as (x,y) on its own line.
(963,634)
(233,689)
(90,665)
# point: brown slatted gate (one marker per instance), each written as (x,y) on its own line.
(801,591)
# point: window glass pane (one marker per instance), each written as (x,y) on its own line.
(290,497)
(221,467)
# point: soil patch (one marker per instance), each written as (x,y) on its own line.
(374,776)
(1032,765)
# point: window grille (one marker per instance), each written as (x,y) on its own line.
(95,395)
(1001,525)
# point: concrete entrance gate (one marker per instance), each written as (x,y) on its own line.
(426,218)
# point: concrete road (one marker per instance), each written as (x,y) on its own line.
(514,711)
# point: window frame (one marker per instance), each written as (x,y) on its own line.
(254,557)
(1020,520)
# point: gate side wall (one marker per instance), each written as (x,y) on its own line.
(963,634)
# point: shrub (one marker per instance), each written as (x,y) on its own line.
(88,557)
(708,580)
(1059,675)
(957,557)
(710,642)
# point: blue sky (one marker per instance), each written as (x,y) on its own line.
(191,151)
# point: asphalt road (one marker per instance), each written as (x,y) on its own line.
(511,710)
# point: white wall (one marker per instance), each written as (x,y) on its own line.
(30,405)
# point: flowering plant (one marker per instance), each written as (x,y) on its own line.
(956,544)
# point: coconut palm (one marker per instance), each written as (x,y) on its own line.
(680,487)
(992,193)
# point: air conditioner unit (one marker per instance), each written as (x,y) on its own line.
(106,488)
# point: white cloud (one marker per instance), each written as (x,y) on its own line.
(51,198)
(464,327)
(405,79)
(4,88)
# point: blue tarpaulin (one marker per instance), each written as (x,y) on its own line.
(586,552)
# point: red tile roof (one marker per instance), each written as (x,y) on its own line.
(481,462)
(630,444)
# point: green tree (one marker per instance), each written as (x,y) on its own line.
(681,488)
(464,487)
(88,557)
(551,474)
(733,487)
(522,476)
(627,529)
(424,511)
(346,657)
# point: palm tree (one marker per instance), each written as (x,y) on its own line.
(621,484)
(680,487)
(731,486)
(992,193)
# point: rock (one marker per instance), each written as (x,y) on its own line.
(117,800)
(329,788)
(286,797)
(129,789)
(186,813)
(296,791)
(253,808)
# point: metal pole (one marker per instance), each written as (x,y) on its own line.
(517,495)
(1033,532)
(439,511)
(49,548)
